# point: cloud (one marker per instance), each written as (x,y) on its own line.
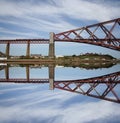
(74,113)
(49,106)
(89,10)
(50,16)
(34,17)
(77,9)
(8,31)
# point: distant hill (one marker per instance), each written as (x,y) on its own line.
(2,54)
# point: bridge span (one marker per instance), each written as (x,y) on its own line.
(104,87)
(104,34)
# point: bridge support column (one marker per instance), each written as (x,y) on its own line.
(27,73)
(7,72)
(51,46)
(8,50)
(28,49)
(51,77)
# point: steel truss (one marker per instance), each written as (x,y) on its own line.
(105,34)
(104,87)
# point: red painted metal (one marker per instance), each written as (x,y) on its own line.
(105,87)
(20,80)
(25,41)
(101,34)
(113,77)
(105,34)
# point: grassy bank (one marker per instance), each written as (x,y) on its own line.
(88,61)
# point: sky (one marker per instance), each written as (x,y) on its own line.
(37,18)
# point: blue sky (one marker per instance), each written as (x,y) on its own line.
(36,18)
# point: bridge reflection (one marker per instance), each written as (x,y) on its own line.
(106,87)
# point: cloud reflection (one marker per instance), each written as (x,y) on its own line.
(38,106)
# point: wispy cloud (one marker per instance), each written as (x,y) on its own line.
(76,9)
(80,9)
(39,106)
(50,15)
(9,32)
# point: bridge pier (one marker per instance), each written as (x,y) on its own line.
(51,46)
(7,72)
(27,73)
(8,50)
(28,49)
(51,77)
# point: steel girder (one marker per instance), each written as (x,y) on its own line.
(105,34)
(105,87)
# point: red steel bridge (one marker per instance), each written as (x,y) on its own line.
(106,87)
(105,34)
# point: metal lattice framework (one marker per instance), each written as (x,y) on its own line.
(105,87)
(105,34)
(20,80)
(24,41)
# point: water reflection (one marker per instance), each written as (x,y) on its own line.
(105,87)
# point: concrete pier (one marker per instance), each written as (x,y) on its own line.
(8,50)
(51,77)
(7,72)
(28,49)
(28,73)
(51,46)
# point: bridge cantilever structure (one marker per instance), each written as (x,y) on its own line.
(105,34)
(105,87)
(24,41)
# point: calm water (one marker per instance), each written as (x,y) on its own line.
(20,103)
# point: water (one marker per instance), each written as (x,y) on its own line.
(66,103)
